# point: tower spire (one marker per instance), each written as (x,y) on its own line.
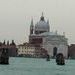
(31,27)
(32,21)
(42,13)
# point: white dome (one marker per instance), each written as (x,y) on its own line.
(42,25)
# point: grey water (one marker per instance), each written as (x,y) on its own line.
(33,66)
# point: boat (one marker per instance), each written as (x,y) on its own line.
(48,57)
(60,59)
(4,57)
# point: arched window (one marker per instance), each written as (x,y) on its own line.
(54,51)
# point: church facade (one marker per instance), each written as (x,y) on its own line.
(41,37)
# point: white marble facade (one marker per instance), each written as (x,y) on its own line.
(55,41)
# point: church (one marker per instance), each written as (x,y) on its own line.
(41,37)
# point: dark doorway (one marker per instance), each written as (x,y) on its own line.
(54,51)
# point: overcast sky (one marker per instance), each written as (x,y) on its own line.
(15,17)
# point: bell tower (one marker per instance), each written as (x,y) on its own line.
(31,27)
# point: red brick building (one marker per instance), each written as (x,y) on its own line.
(71,51)
(12,49)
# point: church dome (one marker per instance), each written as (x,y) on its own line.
(42,26)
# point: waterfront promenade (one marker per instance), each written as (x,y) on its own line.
(33,66)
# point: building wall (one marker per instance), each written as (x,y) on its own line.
(60,49)
(63,49)
(26,50)
(49,44)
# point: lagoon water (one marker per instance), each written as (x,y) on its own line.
(33,66)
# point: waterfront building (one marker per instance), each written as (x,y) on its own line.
(71,51)
(12,49)
(26,49)
(42,37)
(29,50)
